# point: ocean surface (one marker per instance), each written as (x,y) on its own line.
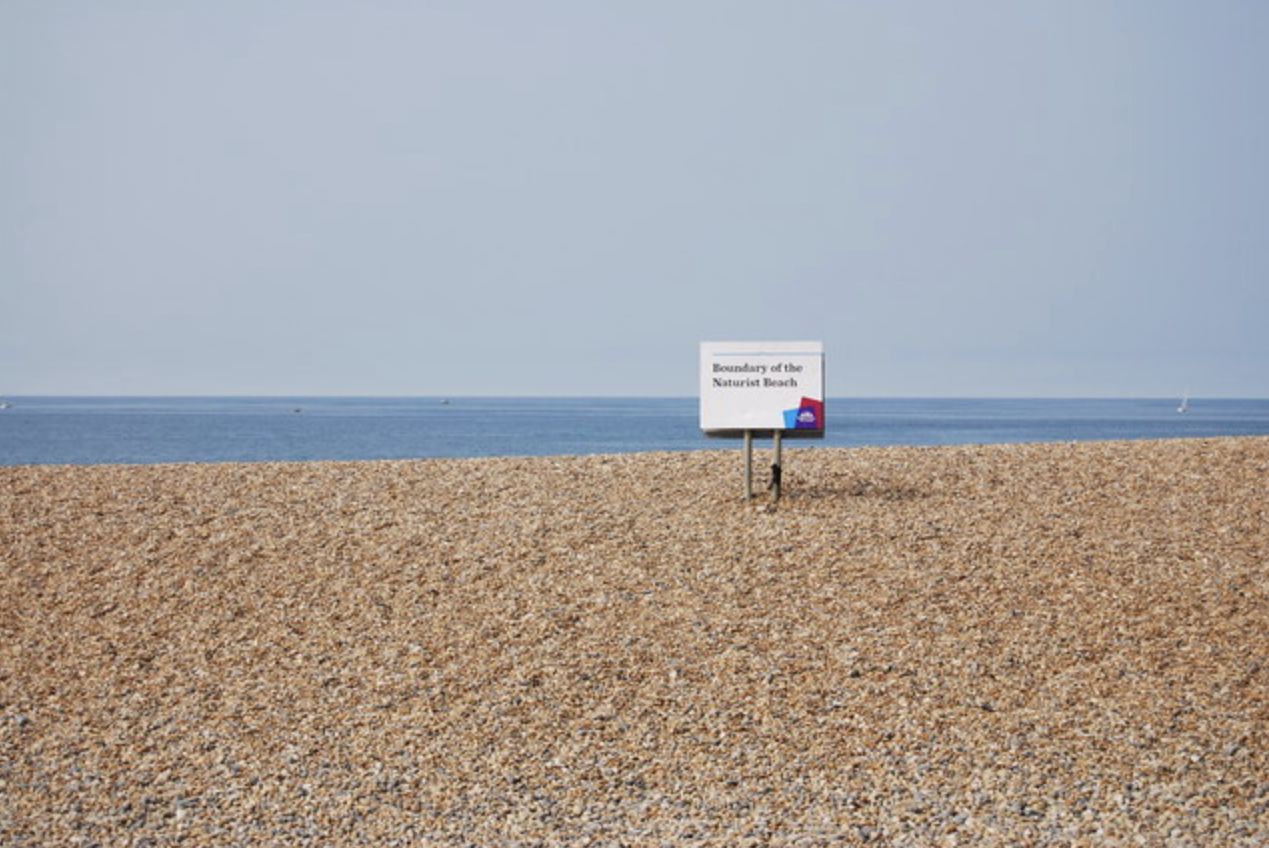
(96,430)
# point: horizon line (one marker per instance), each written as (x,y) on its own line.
(598,396)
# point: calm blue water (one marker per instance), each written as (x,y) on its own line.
(149,430)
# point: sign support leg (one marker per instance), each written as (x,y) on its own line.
(749,465)
(777,469)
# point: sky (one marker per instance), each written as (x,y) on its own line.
(1045,199)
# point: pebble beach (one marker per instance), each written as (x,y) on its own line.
(1045,644)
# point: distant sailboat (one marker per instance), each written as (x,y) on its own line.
(1185,404)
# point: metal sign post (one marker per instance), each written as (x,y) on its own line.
(749,465)
(777,469)
(777,465)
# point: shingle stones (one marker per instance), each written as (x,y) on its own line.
(1028,644)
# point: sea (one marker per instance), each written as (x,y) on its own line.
(146,430)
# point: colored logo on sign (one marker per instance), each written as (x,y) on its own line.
(808,415)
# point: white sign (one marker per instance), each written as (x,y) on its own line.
(763,386)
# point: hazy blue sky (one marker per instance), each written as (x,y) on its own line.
(1042,198)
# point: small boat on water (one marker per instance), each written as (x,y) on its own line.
(1185,404)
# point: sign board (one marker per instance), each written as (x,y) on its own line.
(762,387)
